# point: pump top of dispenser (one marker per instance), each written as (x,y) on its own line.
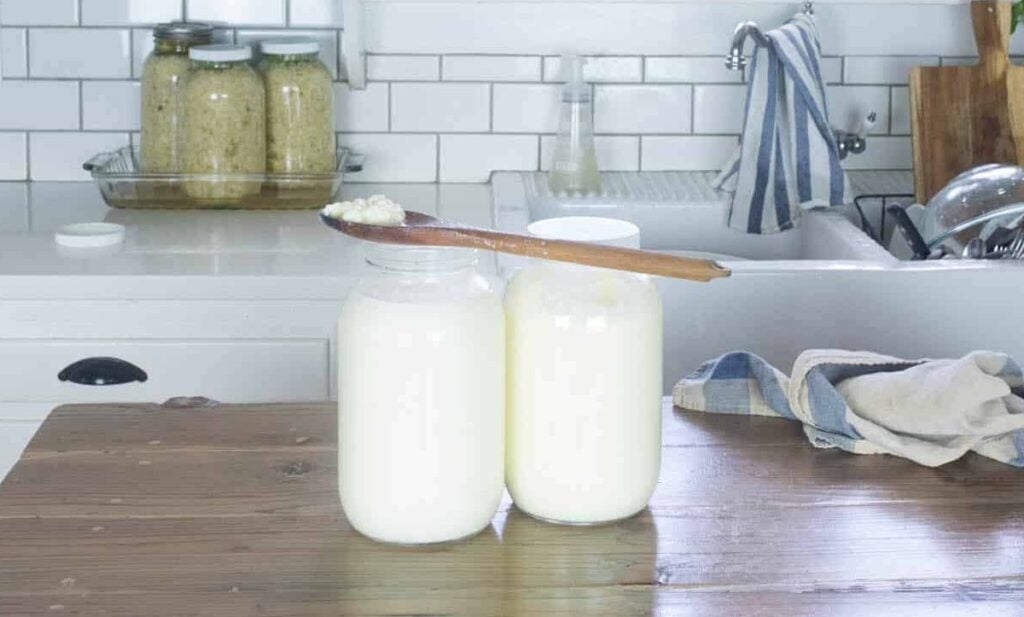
(576,89)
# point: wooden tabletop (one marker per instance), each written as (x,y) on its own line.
(140,511)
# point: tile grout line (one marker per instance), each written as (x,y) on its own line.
(28,156)
(437,157)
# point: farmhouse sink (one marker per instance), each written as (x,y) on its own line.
(825,284)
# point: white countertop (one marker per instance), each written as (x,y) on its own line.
(194,254)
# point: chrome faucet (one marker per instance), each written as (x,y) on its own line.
(737,60)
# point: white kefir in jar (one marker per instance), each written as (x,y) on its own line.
(421,383)
(584,392)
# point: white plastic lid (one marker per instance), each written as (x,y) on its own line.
(220,53)
(289,47)
(598,230)
(90,235)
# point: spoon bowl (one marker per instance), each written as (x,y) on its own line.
(424,230)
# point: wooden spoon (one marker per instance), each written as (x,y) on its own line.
(425,230)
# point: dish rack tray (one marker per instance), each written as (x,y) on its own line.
(123,184)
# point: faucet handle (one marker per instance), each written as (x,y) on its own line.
(867,124)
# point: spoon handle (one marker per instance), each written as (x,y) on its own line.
(632,260)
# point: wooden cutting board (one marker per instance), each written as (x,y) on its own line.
(143,510)
(965,116)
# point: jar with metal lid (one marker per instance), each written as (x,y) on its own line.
(584,382)
(224,128)
(300,107)
(421,391)
(163,77)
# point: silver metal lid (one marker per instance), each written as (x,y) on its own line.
(183,31)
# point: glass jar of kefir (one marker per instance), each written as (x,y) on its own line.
(584,354)
(421,387)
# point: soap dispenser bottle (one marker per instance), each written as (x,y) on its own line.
(574,165)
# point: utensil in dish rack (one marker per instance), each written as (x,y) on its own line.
(423,229)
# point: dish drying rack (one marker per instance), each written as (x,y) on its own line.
(675,188)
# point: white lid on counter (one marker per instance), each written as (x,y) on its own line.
(225,52)
(290,47)
(90,235)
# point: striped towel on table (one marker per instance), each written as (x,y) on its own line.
(929,411)
(788,158)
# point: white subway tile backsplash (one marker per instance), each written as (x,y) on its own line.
(900,111)
(642,108)
(79,53)
(688,153)
(142,44)
(237,12)
(599,69)
(472,158)
(59,156)
(440,107)
(39,12)
(883,70)
(44,105)
(15,52)
(719,109)
(403,68)
(13,156)
(832,70)
(320,13)
(883,153)
(960,61)
(614,152)
(491,68)
(128,12)
(393,157)
(327,39)
(470,87)
(689,70)
(361,110)
(849,105)
(110,105)
(526,108)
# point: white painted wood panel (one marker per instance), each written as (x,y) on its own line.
(169,320)
(668,28)
(228,371)
(14,436)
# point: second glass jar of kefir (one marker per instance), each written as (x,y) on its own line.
(584,354)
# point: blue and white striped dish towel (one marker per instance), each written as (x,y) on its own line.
(929,411)
(787,159)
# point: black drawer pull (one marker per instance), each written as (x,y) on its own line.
(102,372)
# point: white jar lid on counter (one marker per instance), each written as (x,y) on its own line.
(290,47)
(221,52)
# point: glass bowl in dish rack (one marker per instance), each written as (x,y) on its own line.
(124,185)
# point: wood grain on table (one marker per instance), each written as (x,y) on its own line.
(140,510)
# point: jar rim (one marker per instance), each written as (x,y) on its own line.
(296,46)
(598,230)
(183,31)
(410,258)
